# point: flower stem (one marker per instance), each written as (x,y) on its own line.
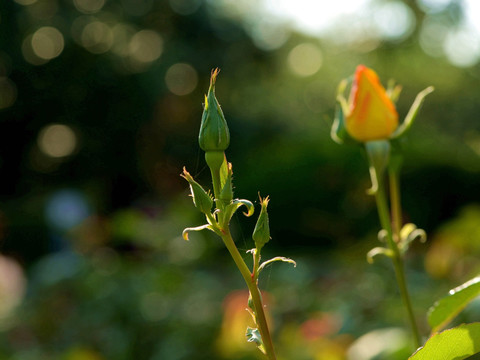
(254,292)
(395,204)
(384,216)
(249,277)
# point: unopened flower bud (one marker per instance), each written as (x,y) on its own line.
(201,199)
(214,134)
(372,115)
(261,233)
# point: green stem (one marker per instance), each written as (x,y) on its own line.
(395,204)
(216,187)
(254,292)
(214,163)
(383,213)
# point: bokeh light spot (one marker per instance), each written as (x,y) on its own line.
(47,43)
(29,54)
(97,37)
(184,7)
(432,36)
(433,5)
(89,6)
(12,286)
(305,59)
(462,47)
(181,79)
(395,20)
(66,208)
(8,92)
(268,35)
(57,140)
(122,34)
(145,46)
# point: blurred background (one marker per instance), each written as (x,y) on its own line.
(100,107)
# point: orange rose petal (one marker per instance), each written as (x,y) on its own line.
(372,115)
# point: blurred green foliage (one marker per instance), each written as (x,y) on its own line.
(97,226)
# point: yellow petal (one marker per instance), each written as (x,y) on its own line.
(372,115)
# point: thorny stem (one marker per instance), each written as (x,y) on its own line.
(250,278)
(254,292)
(383,213)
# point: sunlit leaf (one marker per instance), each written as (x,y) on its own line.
(235,205)
(197,228)
(278,258)
(452,344)
(444,310)
(379,251)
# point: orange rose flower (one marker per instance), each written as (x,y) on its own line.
(371,113)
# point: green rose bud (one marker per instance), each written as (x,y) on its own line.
(201,199)
(261,233)
(214,134)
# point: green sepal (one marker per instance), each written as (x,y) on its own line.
(393,90)
(378,153)
(201,199)
(277,258)
(261,233)
(379,251)
(226,192)
(412,113)
(214,134)
(339,132)
(224,171)
(253,335)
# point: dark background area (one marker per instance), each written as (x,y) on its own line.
(100,107)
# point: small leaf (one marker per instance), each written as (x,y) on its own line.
(444,310)
(197,228)
(278,258)
(409,234)
(234,206)
(253,335)
(378,251)
(453,344)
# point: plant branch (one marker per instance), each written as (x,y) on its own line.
(384,216)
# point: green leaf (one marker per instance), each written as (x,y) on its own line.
(277,258)
(253,335)
(452,344)
(234,206)
(444,310)
(197,228)
(379,251)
